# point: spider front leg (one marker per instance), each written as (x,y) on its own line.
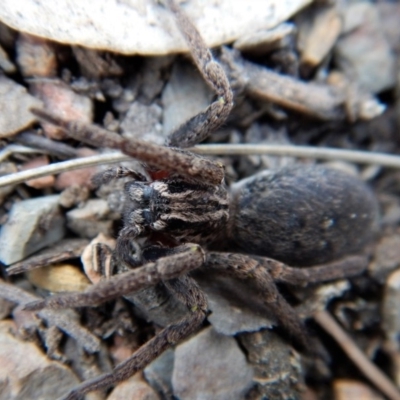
(171,270)
(187,291)
(198,128)
(183,163)
(185,258)
(191,132)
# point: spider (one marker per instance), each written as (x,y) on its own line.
(300,216)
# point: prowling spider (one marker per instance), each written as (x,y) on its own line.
(301,216)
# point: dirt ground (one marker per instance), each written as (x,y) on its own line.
(327,78)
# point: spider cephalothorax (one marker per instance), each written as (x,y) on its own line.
(186,211)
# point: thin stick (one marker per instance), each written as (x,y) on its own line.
(371,371)
(57,168)
(322,153)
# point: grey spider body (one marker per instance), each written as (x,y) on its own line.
(300,215)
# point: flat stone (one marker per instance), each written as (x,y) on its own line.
(363,53)
(36,57)
(91,219)
(64,102)
(59,278)
(135,387)
(390,308)
(234,306)
(32,225)
(350,389)
(210,366)
(143,122)
(277,368)
(142,27)
(15,103)
(319,28)
(26,373)
(386,258)
(266,40)
(185,95)
(159,373)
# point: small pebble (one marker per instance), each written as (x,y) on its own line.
(266,40)
(36,57)
(91,219)
(42,182)
(210,366)
(234,306)
(390,308)
(15,103)
(59,278)
(278,371)
(347,389)
(143,122)
(133,388)
(363,53)
(78,177)
(185,95)
(5,64)
(386,258)
(159,373)
(319,28)
(62,101)
(32,225)
(24,369)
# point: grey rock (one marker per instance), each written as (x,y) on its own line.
(91,219)
(5,64)
(319,28)
(266,40)
(32,225)
(159,374)
(15,103)
(134,388)
(363,53)
(142,27)
(5,169)
(26,373)
(277,369)
(386,258)
(234,306)
(390,309)
(210,366)
(185,95)
(143,122)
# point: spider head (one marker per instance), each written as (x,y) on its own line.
(185,211)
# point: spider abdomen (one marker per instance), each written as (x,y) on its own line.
(302,215)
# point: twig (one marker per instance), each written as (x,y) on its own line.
(53,147)
(371,371)
(322,153)
(67,321)
(326,102)
(63,166)
(16,148)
